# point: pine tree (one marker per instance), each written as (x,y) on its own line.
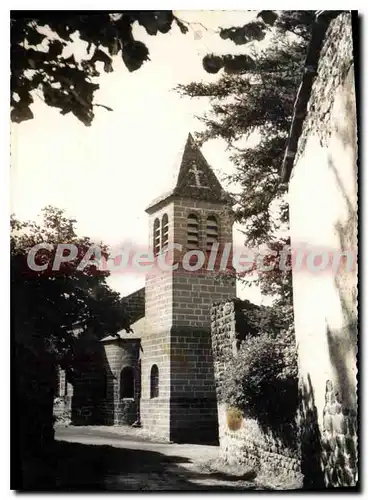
(255,96)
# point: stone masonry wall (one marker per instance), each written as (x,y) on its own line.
(155,412)
(193,409)
(194,292)
(193,397)
(95,396)
(120,354)
(134,304)
(249,445)
(323,215)
(177,332)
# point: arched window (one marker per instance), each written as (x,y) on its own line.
(193,232)
(156,237)
(164,231)
(154,382)
(127,382)
(211,232)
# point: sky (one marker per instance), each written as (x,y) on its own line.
(106,175)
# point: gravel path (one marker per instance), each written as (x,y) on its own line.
(123,459)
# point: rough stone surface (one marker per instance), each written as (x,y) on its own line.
(248,446)
(336,60)
(177,334)
(134,304)
(95,397)
(339,441)
(323,212)
(253,448)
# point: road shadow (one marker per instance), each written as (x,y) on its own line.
(92,468)
(105,432)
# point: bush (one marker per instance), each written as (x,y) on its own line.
(262,379)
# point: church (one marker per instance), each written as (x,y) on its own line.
(161,377)
(187,327)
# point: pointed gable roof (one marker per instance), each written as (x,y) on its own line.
(195,179)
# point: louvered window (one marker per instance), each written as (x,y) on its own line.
(156,237)
(211,232)
(165,231)
(193,232)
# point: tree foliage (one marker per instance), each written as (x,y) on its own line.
(47,304)
(262,375)
(296,22)
(257,101)
(46,308)
(252,318)
(255,95)
(262,380)
(39,41)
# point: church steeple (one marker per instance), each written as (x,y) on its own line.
(177,342)
(196,179)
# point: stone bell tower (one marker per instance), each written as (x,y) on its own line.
(178,397)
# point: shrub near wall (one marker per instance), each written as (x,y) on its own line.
(257,395)
(261,381)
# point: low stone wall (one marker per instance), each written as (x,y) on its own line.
(251,447)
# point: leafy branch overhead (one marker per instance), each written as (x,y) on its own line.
(295,22)
(38,60)
(40,40)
